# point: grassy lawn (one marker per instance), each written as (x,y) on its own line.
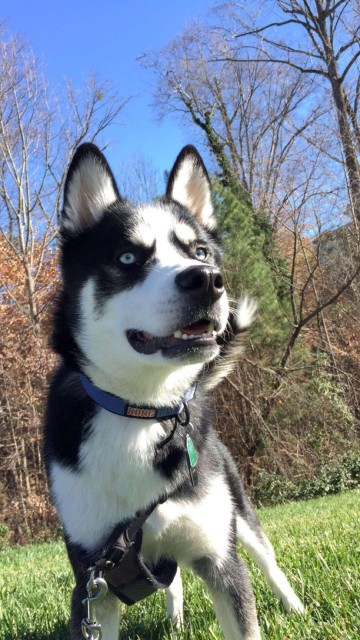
(317,544)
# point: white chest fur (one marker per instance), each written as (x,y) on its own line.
(116,478)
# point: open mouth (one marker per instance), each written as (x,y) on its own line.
(196,336)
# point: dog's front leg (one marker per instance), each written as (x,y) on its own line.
(174,600)
(107,613)
(229,585)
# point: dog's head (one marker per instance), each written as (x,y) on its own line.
(144,298)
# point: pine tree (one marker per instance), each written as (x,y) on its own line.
(250,257)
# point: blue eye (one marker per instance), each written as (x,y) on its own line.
(127,258)
(200,253)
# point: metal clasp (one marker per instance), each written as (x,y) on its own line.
(90,627)
(184,421)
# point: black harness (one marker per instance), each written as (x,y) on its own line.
(119,560)
(122,565)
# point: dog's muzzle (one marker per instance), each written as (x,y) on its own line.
(201,288)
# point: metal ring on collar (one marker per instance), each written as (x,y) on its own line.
(185,421)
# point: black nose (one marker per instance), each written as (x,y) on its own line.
(201,282)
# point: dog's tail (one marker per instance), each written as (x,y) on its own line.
(231,343)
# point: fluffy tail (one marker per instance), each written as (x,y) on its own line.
(231,344)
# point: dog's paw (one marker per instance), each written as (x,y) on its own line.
(292,603)
(177,620)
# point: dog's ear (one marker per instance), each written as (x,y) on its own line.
(90,189)
(189,185)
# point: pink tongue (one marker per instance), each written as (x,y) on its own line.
(144,337)
(195,329)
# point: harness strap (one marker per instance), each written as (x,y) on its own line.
(123,566)
(132,579)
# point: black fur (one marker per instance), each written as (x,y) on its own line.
(93,252)
(69,413)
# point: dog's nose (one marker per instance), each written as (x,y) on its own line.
(201,282)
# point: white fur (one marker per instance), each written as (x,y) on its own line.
(243,317)
(143,234)
(189,529)
(245,312)
(116,478)
(184,233)
(108,614)
(229,625)
(263,554)
(151,306)
(89,192)
(105,493)
(174,601)
(144,231)
(191,189)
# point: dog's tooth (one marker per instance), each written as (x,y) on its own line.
(184,336)
(177,334)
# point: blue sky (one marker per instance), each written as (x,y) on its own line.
(74,38)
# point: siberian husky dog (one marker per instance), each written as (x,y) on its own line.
(144,317)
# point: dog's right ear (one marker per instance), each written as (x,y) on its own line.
(90,189)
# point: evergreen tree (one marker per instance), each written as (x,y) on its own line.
(249,265)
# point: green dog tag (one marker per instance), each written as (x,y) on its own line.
(191,451)
(191,459)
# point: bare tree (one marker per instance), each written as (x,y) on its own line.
(311,287)
(257,119)
(38,136)
(139,179)
(321,40)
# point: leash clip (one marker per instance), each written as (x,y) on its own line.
(90,626)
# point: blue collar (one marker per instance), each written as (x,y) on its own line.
(123,408)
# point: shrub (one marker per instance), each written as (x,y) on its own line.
(340,475)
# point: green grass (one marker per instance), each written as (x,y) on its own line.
(317,544)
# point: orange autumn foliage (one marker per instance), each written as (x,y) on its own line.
(26,363)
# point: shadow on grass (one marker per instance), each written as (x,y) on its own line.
(59,632)
(154,631)
(130,631)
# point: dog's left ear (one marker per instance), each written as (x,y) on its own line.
(189,185)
